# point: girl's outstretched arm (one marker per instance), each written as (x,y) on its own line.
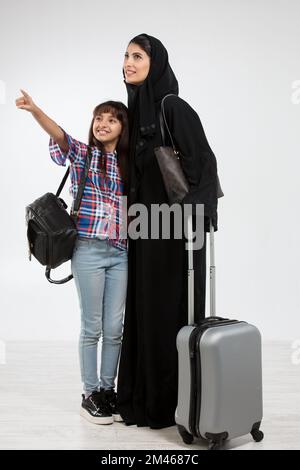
(26,102)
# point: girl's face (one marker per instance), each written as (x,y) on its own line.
(136,65)
(107,129)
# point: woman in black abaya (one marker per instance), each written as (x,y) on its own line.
(156,306)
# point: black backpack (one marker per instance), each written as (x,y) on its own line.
(51,231)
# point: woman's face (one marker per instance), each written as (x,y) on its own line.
(136,65)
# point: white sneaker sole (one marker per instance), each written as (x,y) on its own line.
(118,418)
(95,420)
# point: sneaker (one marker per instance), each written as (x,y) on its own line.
(93,409)
(109,399)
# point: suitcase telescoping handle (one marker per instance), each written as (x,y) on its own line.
(191,300)
(212,272)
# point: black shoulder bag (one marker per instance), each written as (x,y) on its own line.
(51,231)
(169,161)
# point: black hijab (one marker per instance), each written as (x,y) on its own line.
(159,82)
(143,99)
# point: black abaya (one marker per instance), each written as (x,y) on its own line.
(156,306)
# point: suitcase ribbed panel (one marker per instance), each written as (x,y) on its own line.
(182,414)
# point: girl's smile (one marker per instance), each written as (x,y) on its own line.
(107,129)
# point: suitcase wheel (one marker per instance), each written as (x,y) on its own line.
(216,441)
(214,446)
(257,435)
(186,436)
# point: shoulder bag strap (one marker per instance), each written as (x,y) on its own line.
(163,123)
(77,202)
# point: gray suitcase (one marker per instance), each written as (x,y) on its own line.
(220,374)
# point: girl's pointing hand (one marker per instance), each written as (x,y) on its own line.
(25,102)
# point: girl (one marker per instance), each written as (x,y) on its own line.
(156,305)
(99,262)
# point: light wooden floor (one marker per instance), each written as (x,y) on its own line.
(40,399)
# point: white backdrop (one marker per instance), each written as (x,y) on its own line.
(237,63)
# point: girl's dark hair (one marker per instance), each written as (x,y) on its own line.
(143,42)
(120,112)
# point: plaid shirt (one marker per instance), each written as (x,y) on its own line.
(100,213)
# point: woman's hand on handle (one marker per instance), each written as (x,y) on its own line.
(26,102)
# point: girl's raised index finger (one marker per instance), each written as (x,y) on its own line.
(24,93)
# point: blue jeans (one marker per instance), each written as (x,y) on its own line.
(100,274)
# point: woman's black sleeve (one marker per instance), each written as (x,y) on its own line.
(198,160)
